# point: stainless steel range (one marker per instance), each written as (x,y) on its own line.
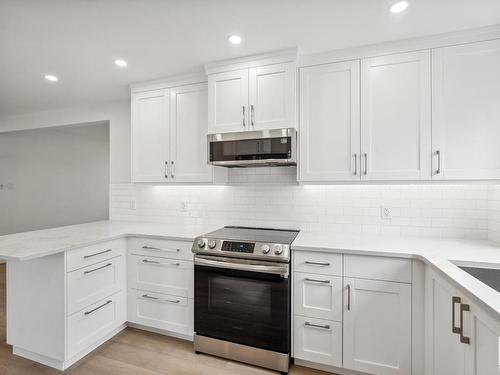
(242,295)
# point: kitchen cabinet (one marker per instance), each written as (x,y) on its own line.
(252,94)
(377,326)
(461,339)
(169,143)
(330,122)
(396,117)
(466,111)
(150,136)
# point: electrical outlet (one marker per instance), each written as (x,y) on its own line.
(385,213)
(133,204)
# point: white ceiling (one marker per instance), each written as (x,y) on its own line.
(77,40)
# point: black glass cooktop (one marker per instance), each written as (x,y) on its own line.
(266,235)
(489,276)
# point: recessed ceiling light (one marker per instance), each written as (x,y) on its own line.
(235,39)
(121,63)
(399,7)
(51,78)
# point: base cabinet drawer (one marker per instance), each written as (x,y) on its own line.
(318,296)
(88,255)
(317,262)
(160,248)
(88,326)
(88,285)
(166,312)
(318,340)
(166,276)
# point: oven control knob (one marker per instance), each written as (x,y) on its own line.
(201,243)
(212,244)
(265,249)
(278,249)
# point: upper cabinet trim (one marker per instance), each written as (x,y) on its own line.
(253,61)
(165,83)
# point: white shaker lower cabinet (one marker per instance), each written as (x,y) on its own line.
(461,339)
(377,327)
(160,285)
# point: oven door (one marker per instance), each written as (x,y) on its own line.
(241,301)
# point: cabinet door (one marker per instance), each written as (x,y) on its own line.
(318,296)
(377,327)
(188,141)
(150,136)
(444,352)
(318,341)
(330,122)
(466,111)
(395,117)
(228,102)
(272,96)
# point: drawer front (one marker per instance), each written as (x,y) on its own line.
(318,262)
(161,248)
(318,340)
(161,275)
(88,326)
(378,268)
(318,296)
(170,313)
(88,285)
(85,256)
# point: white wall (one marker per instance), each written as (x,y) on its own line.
(494,214)
(53,177)
(270,197)
(116,113)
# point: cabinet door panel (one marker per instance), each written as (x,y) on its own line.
(466,111)
(150,136)
(228,101)
(395,118)
(189,134)
(272,93)
(377,327)
(329,122)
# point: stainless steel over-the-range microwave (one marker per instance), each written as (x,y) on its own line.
(274,147)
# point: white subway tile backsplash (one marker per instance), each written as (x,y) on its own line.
(271,197)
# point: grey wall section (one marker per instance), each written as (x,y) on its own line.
(54,176)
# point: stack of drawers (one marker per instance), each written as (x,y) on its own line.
(317,283)
(95,287)
(160,285)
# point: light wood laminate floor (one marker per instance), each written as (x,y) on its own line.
(132,352)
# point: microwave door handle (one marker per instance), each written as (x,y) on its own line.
(273,269)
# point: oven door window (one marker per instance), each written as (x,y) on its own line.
(244,307)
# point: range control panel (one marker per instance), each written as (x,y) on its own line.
(240,247)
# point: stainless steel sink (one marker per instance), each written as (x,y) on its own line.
(489,276)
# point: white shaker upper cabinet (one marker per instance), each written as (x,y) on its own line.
(150,136)
(228,102)
(330,122)
(396,117)
(466,111)
(188,128)
(272,99)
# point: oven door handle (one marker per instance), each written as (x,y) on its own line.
(280,269)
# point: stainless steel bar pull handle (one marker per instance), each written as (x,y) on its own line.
(166,169)
(365,172)
(95,254)
(97,308)
(149,297)
(150,261)
(326,326)
(318,281)
(348,298)
(438,170)
(317,263)
(244,110)
(454,328)
(97,269)
(355,164)
(463,339)
(172,169)
(146,247)
(252,115)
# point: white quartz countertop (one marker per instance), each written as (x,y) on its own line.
(439,253)
(29,245)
